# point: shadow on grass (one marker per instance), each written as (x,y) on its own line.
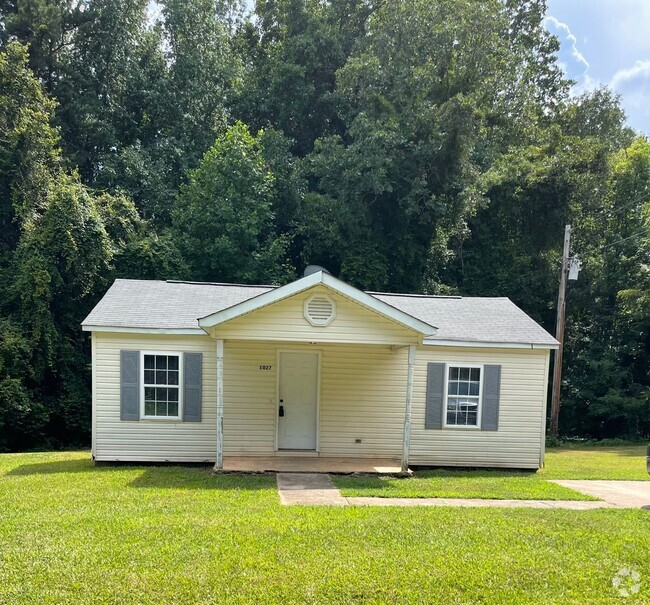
(183,477)
(152,475)
(56,467)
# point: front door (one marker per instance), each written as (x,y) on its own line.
(298,394)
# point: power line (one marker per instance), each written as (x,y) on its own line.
(646,231)
(636,201)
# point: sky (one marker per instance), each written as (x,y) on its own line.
(607,42)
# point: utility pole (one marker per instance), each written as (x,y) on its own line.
(559,334)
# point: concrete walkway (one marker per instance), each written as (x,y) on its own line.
(308,489)
(312,489)
(626,494)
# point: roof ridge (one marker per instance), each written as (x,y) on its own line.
(213,283)
(405,295)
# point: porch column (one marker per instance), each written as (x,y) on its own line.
(219,464)
(406,443)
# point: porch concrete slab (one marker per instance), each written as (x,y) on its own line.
(625,494)
(311,464)
(308,489)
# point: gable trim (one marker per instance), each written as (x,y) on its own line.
(305,283)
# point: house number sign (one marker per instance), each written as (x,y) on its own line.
(265,367)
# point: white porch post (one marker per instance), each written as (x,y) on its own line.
(219,464)
(406,444)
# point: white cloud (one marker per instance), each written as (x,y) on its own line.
(634,85)
(569,37)
(633,79)
(574,64)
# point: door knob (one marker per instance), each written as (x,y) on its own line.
(281,412)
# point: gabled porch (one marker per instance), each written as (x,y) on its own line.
(315,376)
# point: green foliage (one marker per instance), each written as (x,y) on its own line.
(416,146)
(224,219)
(28,153)
(62,240)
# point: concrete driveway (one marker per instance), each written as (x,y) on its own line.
(626,494)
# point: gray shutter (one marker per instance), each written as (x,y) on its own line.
(192,375)
(129,385)
(435,396)
(491,393)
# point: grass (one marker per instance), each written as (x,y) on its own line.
(568,462)
(503,485)
(73,533)
(595,462)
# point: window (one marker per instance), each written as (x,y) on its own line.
(161,385)
(463,396)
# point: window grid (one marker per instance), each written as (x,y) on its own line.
(161,385)
(463,396)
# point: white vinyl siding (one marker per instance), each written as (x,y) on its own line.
(362,391)
(522,412)
(362,398)
(151,439)
(285,321)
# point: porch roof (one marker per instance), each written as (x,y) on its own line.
(331,283)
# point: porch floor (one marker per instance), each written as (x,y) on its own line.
(311,464)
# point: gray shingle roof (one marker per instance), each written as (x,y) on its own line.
(150,304)
(472,319)
(135,303)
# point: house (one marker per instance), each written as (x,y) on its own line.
(194,372)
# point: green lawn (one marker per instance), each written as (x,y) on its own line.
(594,462)
(572,462)
(71,533)
(502,485)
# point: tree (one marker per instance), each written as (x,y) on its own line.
(224,219)
(45,27)
(298,46)
(28,147)
(58,257)
(431,95)
(607,386)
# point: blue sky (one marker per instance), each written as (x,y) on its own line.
(607,42)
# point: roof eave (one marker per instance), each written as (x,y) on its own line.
(485,344)
(137,330)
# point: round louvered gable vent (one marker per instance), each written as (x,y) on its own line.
(320,310)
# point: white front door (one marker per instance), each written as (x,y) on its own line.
(298,394)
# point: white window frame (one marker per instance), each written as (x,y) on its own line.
(180,385)
(479,412)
